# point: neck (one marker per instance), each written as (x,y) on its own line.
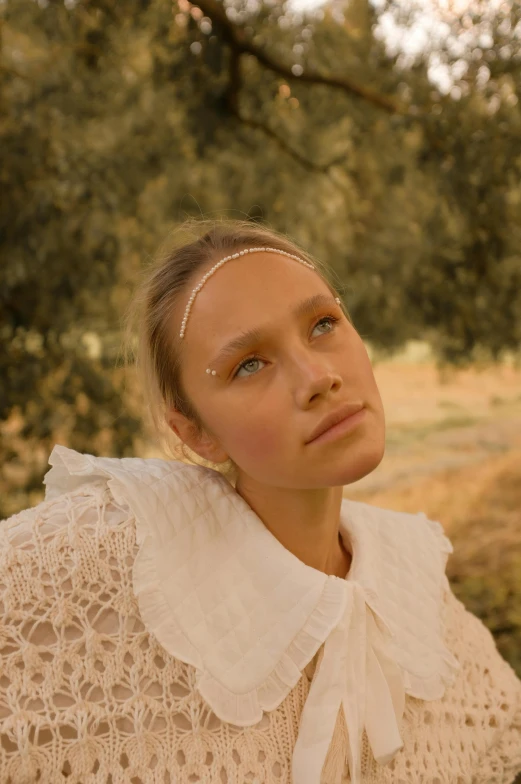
(305,522)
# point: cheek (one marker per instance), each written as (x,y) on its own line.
(370,379)
(365,368)
(255,440)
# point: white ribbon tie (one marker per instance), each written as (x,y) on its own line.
(357,672)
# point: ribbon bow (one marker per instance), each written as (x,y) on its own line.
(358,673)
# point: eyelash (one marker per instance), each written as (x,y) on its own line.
(330,317)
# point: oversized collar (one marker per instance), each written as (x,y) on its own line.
(221,593)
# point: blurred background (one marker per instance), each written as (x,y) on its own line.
(385,137)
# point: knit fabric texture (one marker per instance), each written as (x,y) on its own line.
(88,695)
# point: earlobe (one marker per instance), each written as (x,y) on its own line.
(207,448)
(201,443)
(174,424)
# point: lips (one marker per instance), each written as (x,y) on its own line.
(347,410)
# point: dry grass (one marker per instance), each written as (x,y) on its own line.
(479,507)
(464,470)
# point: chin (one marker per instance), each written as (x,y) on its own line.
(361,460)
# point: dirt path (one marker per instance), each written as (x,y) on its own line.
(435,424)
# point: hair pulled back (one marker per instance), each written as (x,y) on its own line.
(149,340)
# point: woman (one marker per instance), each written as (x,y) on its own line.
(242,621)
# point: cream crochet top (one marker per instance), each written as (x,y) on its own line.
(153,630)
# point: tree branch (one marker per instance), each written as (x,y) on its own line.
(13,72)
(307,164)
(232,102)
(240,44)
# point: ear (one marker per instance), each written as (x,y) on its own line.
(203,444)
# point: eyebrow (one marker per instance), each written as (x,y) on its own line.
(250,336)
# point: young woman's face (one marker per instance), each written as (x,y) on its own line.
(269,395)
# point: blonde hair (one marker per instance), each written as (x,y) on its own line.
(151,342)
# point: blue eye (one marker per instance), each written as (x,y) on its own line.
(254,358)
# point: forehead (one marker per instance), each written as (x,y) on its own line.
(251,291)
(257,279)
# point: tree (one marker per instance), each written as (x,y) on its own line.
(121,118)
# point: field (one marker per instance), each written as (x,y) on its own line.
(454,452)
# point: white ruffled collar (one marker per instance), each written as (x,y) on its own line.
(222,594)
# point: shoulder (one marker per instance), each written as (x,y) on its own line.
(409,522)
(473,732)
(417,519)
(75,524)
(486,698)
(65,573)
(417,546)
(485,671)
(77,505)
(73,646)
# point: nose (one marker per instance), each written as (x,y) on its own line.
(317,379)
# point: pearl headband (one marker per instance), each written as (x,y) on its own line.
(205,277)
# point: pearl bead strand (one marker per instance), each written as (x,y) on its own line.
(205,277)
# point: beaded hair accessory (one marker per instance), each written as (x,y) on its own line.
(210,272)
(205,277)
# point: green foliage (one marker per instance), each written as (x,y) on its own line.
(120,119)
